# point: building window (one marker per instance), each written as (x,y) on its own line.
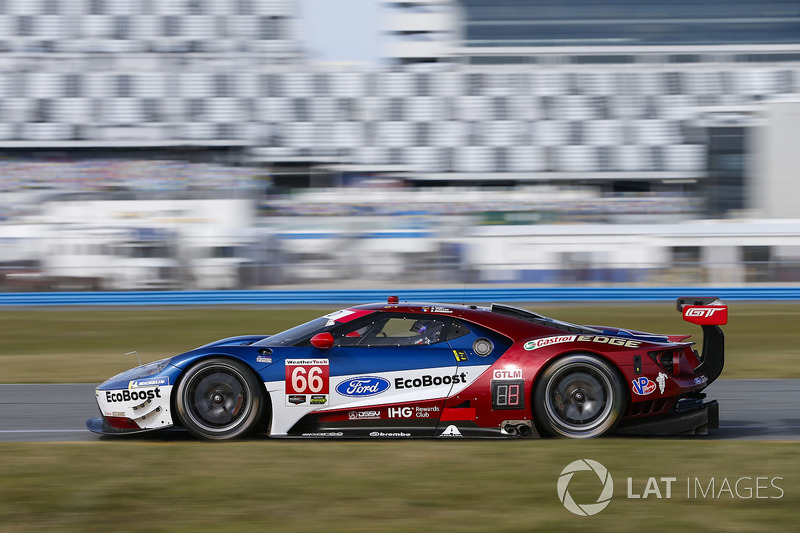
(501,108)
(222,86)
(172,26)
(226,131)
(245,7)
(51,7)
(196,7)
(396,109)
(72,86)
(474,84)
(197,109)
(150,110)
(44,111)
(25,26)
(269,28)
(423,134)
(97,7)
(423,84)
(222,27)
(349,108)
(122,28)
(124,86)
(321,84)
(301,109)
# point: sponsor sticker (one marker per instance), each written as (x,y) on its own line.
(548,341)
(126,395)
(600,339)
(263,359)
(363,386)
(451,431)
(148,382)
(461,355)
(429,381)
(661,379)
(318,399)
(296,399)
(364,415)
(643,386)
(307,377)
(613,341)
(390,434)
(442,310)
(507,373)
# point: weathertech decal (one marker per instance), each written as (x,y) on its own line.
(307,377)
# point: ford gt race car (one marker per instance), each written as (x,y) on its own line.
(397,370)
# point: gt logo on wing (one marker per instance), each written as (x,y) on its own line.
(706,315)
(702,311)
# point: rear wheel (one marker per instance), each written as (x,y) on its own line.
(219,399)
(579,396)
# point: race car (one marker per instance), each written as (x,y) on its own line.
(405,370)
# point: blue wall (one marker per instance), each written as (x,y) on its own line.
(327,297)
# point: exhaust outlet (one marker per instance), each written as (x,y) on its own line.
(524,430)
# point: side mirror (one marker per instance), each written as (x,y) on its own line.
(323,341)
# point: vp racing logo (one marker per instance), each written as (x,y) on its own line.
(587,509)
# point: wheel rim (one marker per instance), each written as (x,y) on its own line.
(217,398)
(579,397)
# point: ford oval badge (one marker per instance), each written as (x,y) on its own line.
(363,386)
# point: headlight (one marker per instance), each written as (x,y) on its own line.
(144,371)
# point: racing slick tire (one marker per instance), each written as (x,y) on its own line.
(219,399)
(579,396)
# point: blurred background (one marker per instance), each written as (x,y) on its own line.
(227,144)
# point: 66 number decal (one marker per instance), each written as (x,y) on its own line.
(307,382)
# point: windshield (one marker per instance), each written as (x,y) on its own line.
(303,332)
(292,336)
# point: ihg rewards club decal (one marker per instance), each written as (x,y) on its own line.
(589,476)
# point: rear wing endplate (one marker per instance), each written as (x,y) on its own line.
(710,313)
(703,311)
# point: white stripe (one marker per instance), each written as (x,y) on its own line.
(43,430)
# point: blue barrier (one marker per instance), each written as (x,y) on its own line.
(325,297)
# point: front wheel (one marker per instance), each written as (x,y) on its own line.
(219,399)
(579,396)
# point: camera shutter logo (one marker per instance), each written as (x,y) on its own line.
(591,508)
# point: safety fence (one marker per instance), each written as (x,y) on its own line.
(449,295)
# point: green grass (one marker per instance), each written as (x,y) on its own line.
(175,485)
(388,486)
(86,345)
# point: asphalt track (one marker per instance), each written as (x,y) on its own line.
(750,409)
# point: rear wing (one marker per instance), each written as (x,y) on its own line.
(703,311)
(709,313)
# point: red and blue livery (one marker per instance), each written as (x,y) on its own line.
(408,370)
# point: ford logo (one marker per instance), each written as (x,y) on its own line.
(363,386)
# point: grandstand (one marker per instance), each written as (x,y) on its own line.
(224,82)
